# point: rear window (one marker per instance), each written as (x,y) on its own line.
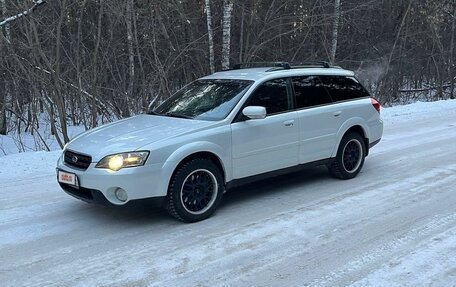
(310,92)
(343,88)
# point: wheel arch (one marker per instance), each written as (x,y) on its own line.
(203,155)
(176,205)
(196,150)
(352,126)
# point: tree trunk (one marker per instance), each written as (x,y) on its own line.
(210,35)
(79,73)
(131,54)
(22,14)
(142,72)
(59,98)
(95,68)
(335,31)
(3,90)
(451,64)
(241,35)
(7,28)
(3,129)
(226,38)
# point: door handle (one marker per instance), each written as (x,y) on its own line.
(336,114)
(288,123)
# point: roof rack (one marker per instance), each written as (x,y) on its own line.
(308,64)
(281,65)
(277,66)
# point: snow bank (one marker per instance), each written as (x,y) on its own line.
(27,164)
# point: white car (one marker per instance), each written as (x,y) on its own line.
(224,129)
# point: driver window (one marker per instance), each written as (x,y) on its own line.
(272,95)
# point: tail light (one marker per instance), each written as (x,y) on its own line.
(376,104)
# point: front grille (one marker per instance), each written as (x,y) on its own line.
(77,160)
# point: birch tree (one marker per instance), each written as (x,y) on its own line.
(22,14)
(226,36)
(210,35)
(335,31)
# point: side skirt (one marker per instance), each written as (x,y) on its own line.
(253,178)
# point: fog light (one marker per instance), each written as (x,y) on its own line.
(121,194)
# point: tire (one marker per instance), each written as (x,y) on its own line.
(195,190)
(350,157)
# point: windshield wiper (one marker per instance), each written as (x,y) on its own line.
(153,113)
(176,115)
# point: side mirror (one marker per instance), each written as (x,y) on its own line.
(254,112)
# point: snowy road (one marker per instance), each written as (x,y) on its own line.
(393,225)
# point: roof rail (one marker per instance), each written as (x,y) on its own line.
(307,64)
(282,65)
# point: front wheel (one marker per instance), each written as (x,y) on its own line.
(350,157)
(195,190)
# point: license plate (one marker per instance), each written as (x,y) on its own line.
(68,178)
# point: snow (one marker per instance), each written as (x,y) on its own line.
(393,225)
(15,142)
(418,111)
(433,261)
(22,165)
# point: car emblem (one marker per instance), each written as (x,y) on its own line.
(74,159)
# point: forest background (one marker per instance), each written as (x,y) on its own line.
(83,63)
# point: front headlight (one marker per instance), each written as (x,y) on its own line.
(121,160)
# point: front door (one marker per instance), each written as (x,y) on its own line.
(268,144)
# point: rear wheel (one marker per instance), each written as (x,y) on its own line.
(350,157)
(195,190)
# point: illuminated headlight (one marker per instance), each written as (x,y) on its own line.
(122,160)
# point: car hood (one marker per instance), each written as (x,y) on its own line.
(131,134)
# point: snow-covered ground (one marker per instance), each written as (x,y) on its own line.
(41,139)
(393,225)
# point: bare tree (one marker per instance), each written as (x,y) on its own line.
(90,62)
(7,28)
(22,14)
(335,31)
(131,54)
(210,35)
(451,68)
(226,37)
(3,127)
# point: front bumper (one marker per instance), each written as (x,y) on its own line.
(85,194)
(99,185)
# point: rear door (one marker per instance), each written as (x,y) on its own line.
(350,95)
(318,119)
(271,143)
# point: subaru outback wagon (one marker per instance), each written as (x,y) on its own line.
(223,129)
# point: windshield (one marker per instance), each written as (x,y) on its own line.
(209,100)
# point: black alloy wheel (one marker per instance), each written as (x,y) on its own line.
(195,190)
(350,157)
(199,191)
